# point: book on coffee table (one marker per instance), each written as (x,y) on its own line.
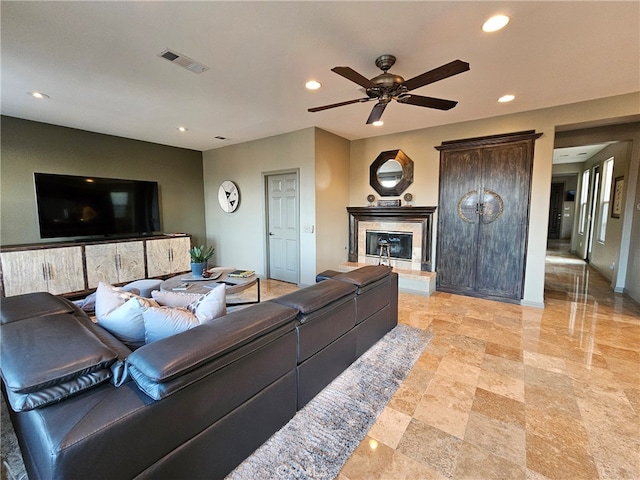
(240,273)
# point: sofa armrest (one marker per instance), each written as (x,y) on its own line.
(168,365)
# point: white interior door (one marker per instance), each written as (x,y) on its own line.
(283,227)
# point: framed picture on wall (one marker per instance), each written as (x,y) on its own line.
(616,207)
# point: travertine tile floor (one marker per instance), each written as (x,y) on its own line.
(510,392)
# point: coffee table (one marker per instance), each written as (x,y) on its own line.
(187,283)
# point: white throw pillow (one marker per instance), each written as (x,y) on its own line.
(210,306)
(162,322)
(108,298)
(175,299)
(126,321)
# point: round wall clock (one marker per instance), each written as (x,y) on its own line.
(228,196)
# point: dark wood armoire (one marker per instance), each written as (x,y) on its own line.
(483,215)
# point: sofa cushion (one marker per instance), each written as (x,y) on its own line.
(51,357)
(174,299)
(316,296)
(365,275)
(31,305)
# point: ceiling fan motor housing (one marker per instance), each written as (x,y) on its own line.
(388,85)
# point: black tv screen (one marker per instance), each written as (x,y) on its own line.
(71,206)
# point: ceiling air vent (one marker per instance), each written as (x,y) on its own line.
(183,61)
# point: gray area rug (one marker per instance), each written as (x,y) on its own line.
(12,466)
(317,442)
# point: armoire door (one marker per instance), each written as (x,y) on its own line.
(483,216)
(506,180)
(457,221)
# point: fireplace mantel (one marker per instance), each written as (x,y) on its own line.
(422,215)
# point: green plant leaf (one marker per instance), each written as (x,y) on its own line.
(199,254)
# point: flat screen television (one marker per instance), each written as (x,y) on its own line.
(73,206)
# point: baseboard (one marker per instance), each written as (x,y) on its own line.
(529,303)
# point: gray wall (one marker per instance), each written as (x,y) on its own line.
(332,198)
(322,162)
(240,237)
(29,147)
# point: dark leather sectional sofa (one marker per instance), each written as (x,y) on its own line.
(193,405)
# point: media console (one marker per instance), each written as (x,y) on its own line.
(75,268)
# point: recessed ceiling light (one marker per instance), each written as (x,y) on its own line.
(378,123)
(506,98)
(495,23)
(312,85)
(182,129)
(38,95)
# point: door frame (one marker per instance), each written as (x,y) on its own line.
(265,188)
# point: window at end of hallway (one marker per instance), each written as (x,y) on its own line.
(605,199)
(584,198)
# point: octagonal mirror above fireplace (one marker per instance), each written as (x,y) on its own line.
(391,173)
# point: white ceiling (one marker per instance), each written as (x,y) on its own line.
(577,154)
(98,63)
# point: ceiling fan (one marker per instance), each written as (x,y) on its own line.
(388,86)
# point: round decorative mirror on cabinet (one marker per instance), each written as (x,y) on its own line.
(391,173)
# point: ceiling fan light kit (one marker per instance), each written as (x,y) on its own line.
(388,86)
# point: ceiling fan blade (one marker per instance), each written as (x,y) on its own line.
(429,102)
(350,74)
(333,105)
(376,113)
(440,73)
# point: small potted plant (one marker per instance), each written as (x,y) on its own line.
(199,257)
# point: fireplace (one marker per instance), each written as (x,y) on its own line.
(400,244)
(411,221)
